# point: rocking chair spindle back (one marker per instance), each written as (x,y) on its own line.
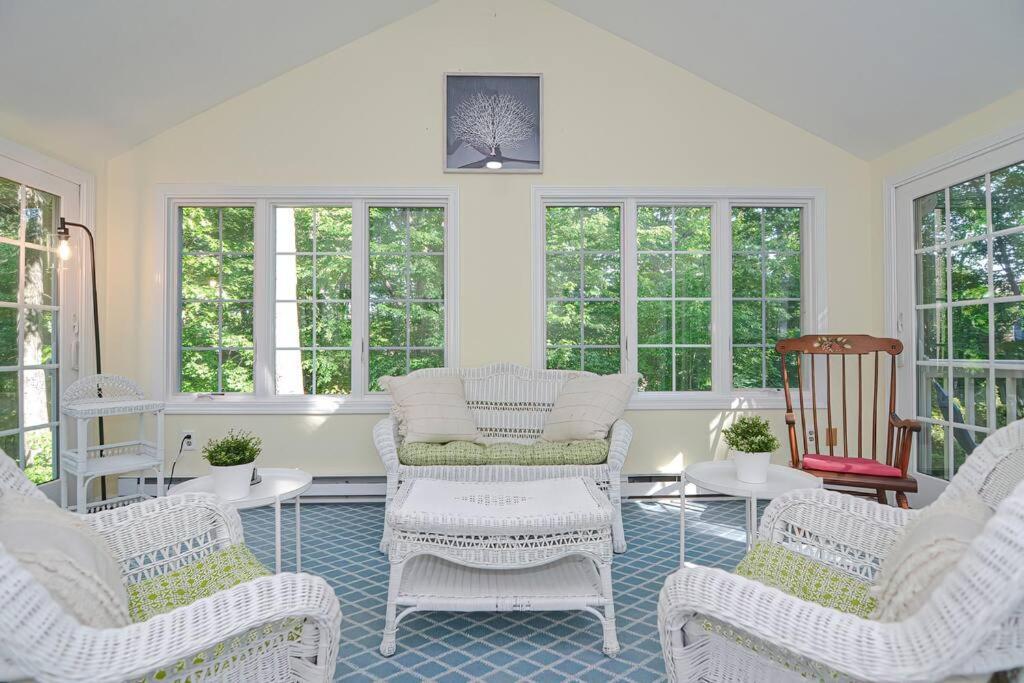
(823,355)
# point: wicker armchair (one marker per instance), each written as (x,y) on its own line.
(508,402)
(972,624)
(254,621)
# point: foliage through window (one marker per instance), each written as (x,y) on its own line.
(308,297)
(583,274)
(313,310)
(217,349)
(765,291)
(29,310)
(969,271)
(637,283)
(407,320)
(674,297)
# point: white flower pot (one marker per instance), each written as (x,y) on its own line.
(752,468)
(232,482)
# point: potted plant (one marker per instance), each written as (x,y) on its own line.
(231,461)
(752,442)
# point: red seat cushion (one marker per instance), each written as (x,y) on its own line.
(835,463)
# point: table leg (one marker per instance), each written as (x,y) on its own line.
(682,521)
(751,521)
(298,535)
(611,640)
(277,534)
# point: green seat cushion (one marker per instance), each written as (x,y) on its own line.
(539,453)
(803,577)
(217,571)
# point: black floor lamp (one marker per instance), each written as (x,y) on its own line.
(64,250)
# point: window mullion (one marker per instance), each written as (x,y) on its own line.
(263,299)
(360,299)
(721,298)
(627,287)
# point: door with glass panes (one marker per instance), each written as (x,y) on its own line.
(962,308)
(33,286)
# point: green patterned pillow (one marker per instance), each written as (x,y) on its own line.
(456,453)
(217,571)
(807,579)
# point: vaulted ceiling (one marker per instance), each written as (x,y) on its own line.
(866,75)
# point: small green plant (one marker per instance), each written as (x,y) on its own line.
(751,434)
(237,448)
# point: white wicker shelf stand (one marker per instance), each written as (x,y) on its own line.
(521,546)
(106,396)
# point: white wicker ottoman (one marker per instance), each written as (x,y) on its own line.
(500,546)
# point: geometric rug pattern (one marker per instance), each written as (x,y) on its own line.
(340,544)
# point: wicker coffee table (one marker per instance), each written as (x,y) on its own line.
(515,546)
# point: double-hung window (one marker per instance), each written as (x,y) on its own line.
(690,289)
(301,302)
(969,314)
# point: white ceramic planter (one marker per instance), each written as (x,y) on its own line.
(232,482)
(752,468)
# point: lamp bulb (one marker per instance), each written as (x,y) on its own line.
(64,250)
(494,164)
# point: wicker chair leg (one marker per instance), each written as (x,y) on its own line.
(387,643)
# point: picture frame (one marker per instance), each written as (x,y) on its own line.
(493,123)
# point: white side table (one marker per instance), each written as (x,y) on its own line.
(278,485)
(719,476)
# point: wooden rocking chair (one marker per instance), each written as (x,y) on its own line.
(815,355)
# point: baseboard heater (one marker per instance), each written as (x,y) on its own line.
(372,488)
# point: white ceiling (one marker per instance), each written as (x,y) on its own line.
(116,72)
(866,75)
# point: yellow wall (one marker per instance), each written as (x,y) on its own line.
(370,114)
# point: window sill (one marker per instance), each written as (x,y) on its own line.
(769,399)
(183,404)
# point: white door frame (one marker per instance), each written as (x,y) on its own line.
(76,341)
(898,191)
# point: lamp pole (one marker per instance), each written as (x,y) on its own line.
(63,235)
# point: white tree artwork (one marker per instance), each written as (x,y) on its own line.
(493,124)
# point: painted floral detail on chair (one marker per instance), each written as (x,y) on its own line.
(832,344)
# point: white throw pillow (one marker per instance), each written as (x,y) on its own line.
(928,548)
(67,557)
(431,409)
(587,406)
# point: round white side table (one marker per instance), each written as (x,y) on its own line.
(719,476)
(277,485)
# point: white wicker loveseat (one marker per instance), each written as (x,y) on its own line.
(246,633)
(972,624)
(509,403)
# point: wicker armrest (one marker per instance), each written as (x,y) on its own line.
(132,652)
(850,533)
(162,533)
(618,446)
(862,648)
(385,438)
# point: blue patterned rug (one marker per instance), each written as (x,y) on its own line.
(340,544)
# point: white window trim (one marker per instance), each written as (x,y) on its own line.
(814,309)
(967,161)
(171,196)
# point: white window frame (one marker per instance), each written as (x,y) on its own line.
(170,197)
(814,295)
(977,158)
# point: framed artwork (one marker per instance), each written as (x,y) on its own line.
(492,123)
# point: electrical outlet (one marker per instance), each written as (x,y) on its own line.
(188,440)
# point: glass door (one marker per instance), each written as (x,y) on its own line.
(31,341)
(967,313)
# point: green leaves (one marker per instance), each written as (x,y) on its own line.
(751,434)
(237,448)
